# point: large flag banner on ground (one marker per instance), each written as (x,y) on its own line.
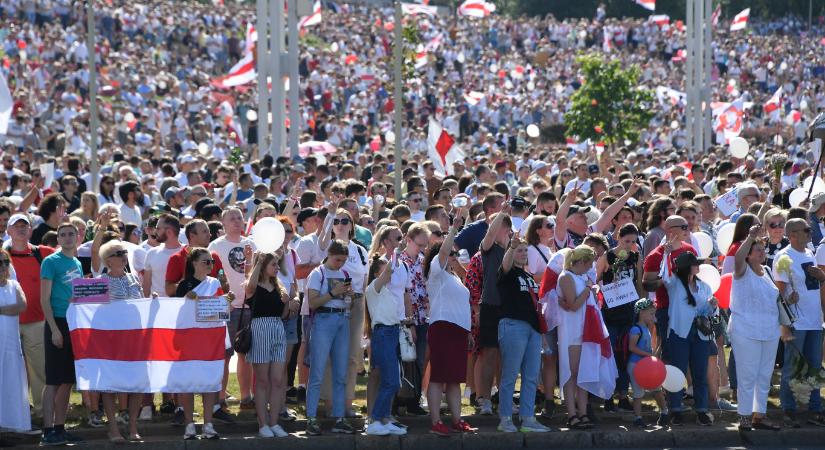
(146,345)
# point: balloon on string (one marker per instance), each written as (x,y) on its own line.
(739,147)
(710,275)
(334,47)
(203,148)
(494,68)
(674,379)
(650,372)
(128,117)
(705,244)
(723,293)
(819,185)
(390,137)
(268,234)
(251,115)
(797,196)
(533,131)
(725,237)
(531,85)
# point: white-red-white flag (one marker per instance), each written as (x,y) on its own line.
(680,56)
(413,9)
(714,18)
(727,118)
(668,96)
(146,345)
(772,106)
(659,19)
(6,105)
(740,21)
(473,97)
(476,8)
(312,19)
(647,4)
(442,149)
(597,366)
(243,71)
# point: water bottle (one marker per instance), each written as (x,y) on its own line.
(463,256)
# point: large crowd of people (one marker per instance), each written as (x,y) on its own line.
(471,281)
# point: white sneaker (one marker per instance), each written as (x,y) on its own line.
(190,432)
(531,425)
(265,432)
(506,426)
(145,414)
(395,430)
(376,428)
(209,432)
(486,407)
(277,431)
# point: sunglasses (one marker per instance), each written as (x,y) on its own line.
(208,262)
(415,200)
(370,222)
(340,222)
(119,253)
(439,233)
(683,227)
(776,225)
(453,254)
(806,230)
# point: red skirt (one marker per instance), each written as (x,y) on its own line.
(448,352)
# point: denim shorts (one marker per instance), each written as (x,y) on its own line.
(291,328)
(550,343)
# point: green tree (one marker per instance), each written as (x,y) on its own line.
(610,106)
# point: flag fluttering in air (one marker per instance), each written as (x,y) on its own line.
(412,9)
(312,19)
(441,149)
(647,4)
(6,105)
(740,21)
(659,19)
(714,18)
(476,8)
(772,106)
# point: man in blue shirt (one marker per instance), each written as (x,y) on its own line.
(471,236)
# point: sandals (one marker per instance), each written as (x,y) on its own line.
(579,423)
(764,424)
(585,423)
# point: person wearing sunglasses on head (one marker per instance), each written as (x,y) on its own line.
(800,283)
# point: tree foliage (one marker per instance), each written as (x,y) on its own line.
(610,106)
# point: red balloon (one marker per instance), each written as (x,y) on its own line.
(650,372)
(723,293)
(21,44)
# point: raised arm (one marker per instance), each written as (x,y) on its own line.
(610,212)
(507,263)
(492,230)
(447,245)
(560,232)
(740,262)
(326,235)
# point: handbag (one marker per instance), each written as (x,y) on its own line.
(543,329)
(405,342)
(242,341)
(786,315)
(703,325)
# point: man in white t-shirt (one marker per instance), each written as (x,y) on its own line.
(231,249)
(801,282)
(157,258)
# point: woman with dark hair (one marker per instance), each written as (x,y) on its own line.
(688,336)
(539,239)
(660,209)
(740,232)
(52,209)
(448,336)
(197,283)
(107,190)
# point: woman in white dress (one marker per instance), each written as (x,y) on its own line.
(14,407)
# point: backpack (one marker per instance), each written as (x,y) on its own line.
(621,349)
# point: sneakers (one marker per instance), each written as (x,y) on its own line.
(745,423)
(265,432)
(313,427)
(725,405)
(167,407)
(190,432)
(486,407)
(395,430)
(247,404)
(625,405)
(96,419)
(278,431)
(463,427)
(376,428)
(291,396)
(440,429)
(179,418)
(704,419)
(506,426)
(351,413)
(531,425)
(664,420)
(288,415)
(209,432)
(639,423)
(676,419)
(223,416)
(145,414)
(69,437)
(52,438)
(416,410)
(342,426)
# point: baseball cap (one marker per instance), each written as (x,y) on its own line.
(575,209)
(18,217)
(538,165)
(817,200)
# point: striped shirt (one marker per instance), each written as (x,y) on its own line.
(124,287)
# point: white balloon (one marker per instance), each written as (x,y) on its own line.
(711,276)
(494,67)
(461,58)
(203,148)
(390,137)
(819,185)
(320,159)
(533,131)
(739,147)
(725,237)
(251,115)
(705,244)
(674,124)
(674,379)
(803,104)
(508,85)
(531,86)
(128,117)
(268,234)
(334,47)
(797,196)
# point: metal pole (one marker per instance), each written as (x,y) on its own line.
(93,119)
(399,98)
(262,65)
(708,62)
(689,62)
(810,15)
(276,43)
(294,80)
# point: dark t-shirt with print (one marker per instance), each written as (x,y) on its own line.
(516,300)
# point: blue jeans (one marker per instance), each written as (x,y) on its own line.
(809,342)
(520,346)
(329,340)
(662,324)
(693,352)
(624,380)
(384,356)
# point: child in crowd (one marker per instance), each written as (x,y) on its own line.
(640,346)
